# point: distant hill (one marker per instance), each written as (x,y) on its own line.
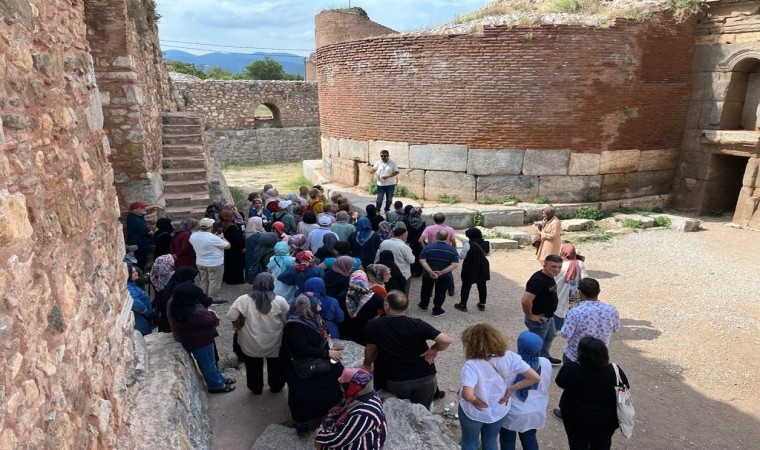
(236,62)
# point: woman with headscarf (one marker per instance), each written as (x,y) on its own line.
(527,412)
(253,232)
(331,312)
(475,268)
(373,217)
(163,236)
(262,251)
(180,245)
(309,223)
(361,304)
(141,306)
(305,337)
(297,243)
(384,230)
(180,275)
(337,277)
(549,235)
(254,225)
(358,422)
(234,259)
(327,250)
(160,274)
(257,210)
(573,271)
(194,326)
(415,226)
(364,242)
(397,281)
(487,385)
(271,200)
(237,218)
(260,336)
(378,275)
(280,263)
(304,269)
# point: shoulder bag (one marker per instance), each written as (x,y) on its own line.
(625,412)
(306,368)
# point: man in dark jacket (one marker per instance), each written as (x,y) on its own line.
(138,231)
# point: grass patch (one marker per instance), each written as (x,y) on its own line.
(597,237)
(240,198)
(662,221)
(448,199)
(477,219)
(498,200)
(589,213)
(285,177)
(633,223)
(541,200)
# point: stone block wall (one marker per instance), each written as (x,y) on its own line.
(265,145)
(504,112)
(65,318)
(230,105)
(717,169)
(123,38)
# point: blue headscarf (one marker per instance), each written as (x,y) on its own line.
(363,230)
(529,348)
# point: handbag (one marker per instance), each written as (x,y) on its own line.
(310,367)
(625,412)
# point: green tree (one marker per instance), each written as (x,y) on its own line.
(267,69)
(218,73)
(183,67)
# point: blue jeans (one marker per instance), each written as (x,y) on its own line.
(472,431)
(527,439)
(545,330)
(206,361)
(386,191)
(558,322)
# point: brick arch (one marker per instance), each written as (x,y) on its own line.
(738,59)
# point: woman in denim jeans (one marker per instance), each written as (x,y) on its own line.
(484,399)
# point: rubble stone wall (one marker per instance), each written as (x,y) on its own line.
(123,37)
(65,318)
(504,112)
(264,146)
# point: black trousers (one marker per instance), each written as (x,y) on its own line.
(254,369)
(465,294)
(441,285)
(586,436)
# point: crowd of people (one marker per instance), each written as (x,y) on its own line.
(320,271)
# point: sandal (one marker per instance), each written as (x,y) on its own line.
(222,390)
(230,381)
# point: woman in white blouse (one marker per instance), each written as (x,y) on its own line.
(528,411)
(264,315)
(484,399)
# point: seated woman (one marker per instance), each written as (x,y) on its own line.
(260,336)
(358,422)
(141,305)
(194,326)
(331,312)
(588,402)
(305,337)
(304,269)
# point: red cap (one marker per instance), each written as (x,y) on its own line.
(137,205)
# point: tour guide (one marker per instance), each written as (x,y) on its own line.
(385,172)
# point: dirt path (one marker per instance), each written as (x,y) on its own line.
(690,323)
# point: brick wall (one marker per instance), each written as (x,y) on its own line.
(264,146)
(65,319)
(336,26)
(569,91)
(131,75)
(230,105)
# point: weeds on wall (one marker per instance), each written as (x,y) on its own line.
(498,200)
(541,200)
(589,213)
(683,9)
(633,223)
(662,222)
(477,219)
(448,199)
(400,191)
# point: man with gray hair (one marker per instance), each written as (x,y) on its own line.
(438,260)
(341,227)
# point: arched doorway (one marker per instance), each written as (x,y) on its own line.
(266,115)
(740,109)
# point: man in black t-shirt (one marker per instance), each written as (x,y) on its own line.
(398,347)
(539,301)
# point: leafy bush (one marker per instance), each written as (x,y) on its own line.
(449,199)
(662,221)
(657,209)
(400,191)
(477,219)
(541,200)
(239,198)
(564,216)
(633,223)
(589,213)
(372,186)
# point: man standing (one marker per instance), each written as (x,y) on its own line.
(341,227)
(138,231)
(438,260)
(317,235)
(397,345)
(428,235)
(209,257)
(385,172)
(539,301)
(590,318)
(402,254)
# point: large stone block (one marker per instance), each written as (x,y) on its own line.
(546,162)
(449,157)
(456,218)
(449,183)
(584,164)
(495,162)
(681,223)
(345,171)
(324,143)
(751,173)
(576,224)
(570,189)
(399,152)
(413,180)
(364,174)
(619,161)
(413,427)
(312,171)
(333,145)
(636,184)
(353,150)
(659,159)
(503,217)
(521,186)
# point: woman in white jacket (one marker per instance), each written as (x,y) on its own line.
(573,271)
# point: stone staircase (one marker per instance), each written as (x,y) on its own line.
(186,166)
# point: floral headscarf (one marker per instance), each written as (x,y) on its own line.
(162,271)
(236,216)
(384,230)
(358,293)
(304,260)
(187,224)
(296,243)
(304,310)
(358,387)
(415,218)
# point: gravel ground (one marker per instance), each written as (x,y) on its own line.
(689,311)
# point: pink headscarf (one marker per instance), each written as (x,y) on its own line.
(567,252)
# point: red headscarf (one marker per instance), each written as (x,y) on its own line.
(567,252)
(304,260)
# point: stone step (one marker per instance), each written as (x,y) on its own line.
(198,187)
(172,139)
(184,162)
(182,129)
(187,199)
(182,118)
(181,150)
(179,213)
(185,175)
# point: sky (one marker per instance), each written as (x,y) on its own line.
(277,26)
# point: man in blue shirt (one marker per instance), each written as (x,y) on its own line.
(438,260)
